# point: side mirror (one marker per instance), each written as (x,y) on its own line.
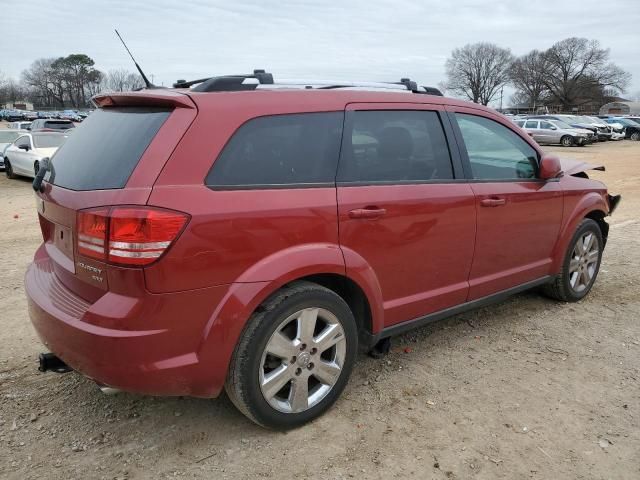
(26,148)
(550,167)
(553,127)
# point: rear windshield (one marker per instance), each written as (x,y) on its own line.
(105,149)
(52,140)
(58,125)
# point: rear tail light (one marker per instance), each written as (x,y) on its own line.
(127,235)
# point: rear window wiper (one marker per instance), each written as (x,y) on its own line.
(45,165)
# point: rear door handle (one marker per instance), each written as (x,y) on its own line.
(367,212)
(493,202)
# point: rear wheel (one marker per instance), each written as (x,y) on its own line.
(294,357)
(8,169)
(581,264)
(566,141)
(36,167)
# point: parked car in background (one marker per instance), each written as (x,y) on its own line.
(571,120)
(631,129)
(31,115)
(7,137)
(327,221)
(70,115)
(12,115)
(51,125)
(24,155)
(20,125)
(604,130)
(546,133)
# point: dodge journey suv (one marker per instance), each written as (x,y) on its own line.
(235,233)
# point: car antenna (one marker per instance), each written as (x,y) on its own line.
(144,77)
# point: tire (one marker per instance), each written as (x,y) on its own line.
(635,136)
(8,169)
(275,326)
(36,168)
(579,268)
(566,141)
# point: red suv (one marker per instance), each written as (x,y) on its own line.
(251,236)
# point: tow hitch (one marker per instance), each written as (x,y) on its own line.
(49,362)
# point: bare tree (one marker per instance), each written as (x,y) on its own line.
(527,75)
(478,71)
(574,66)
(121,80)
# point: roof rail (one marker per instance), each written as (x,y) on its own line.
(229,83)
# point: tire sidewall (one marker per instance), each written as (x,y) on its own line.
(263,412)
(566,141)
(8,169)
(585,226)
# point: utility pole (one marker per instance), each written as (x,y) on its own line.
(501,89)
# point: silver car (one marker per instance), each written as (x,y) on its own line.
(7,137)
(546,133)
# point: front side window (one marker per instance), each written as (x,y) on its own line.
(547,125)
(496,152)
(280,150)
(394,146)
(23,141)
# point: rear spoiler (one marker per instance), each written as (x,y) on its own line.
(145,98)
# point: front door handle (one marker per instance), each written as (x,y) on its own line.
(367,212)
(493,202)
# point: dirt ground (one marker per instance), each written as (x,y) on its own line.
(529,388)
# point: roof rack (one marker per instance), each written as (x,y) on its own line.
(231,83)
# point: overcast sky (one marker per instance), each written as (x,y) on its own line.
(347,40)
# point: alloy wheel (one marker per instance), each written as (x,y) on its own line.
(302,360)
(584,262)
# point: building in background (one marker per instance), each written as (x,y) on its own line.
(620,108)
(17,106)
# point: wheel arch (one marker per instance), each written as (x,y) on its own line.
(592,206)
(323,264)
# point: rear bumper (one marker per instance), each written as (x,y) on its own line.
(155,360)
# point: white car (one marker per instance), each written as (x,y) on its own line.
(20,125)
(24,155)
(7,137)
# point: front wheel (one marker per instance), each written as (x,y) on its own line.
(581,264)
(635,136)
(294,357)
(36,168)
(8,169)
(566,141)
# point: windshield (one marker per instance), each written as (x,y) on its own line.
(561,124)
(585,120)
(48,141)
(8,137)
(624,121)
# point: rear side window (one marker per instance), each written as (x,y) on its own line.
(280,150)
(105,149)
(394,146)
